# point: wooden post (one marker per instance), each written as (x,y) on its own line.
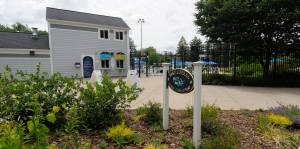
(165,97)
(197,104)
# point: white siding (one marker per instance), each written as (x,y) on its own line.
(67,47)
(25,64)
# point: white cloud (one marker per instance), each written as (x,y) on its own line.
(165,21)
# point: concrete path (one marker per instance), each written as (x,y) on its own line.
(225,97)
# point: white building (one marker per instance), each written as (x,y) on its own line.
(78,43)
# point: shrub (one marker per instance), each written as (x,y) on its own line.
(249,69)
(263,124)
(187,143)
(151,113)
(101,105)
(154,146)
(215,133)
(224,137)
(290,111)
(121,134)
(17,96)
(209,115)
(11,137)
(189,111)
(280,120)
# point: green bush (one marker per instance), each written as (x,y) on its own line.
(17,96)
(249,69)
(151,113)
(102,104)
(187,143)
(11,137)
(122,135)
(188,111)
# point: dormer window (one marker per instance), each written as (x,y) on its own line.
(119,35)
(103,34)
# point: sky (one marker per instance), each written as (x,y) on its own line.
(165,20)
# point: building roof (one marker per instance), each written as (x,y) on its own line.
(74,16)
(21,40)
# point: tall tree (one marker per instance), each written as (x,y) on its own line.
(154,57)
(195,46)
(132,46)
(19,27)
(260,26)
(183,50)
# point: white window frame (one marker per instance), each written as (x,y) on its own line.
(99,35)
(115,37)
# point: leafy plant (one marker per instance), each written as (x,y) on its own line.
(263,123)
(189,111)
(280,120)
(209,115)
(151,113)
(290,111)
(187,143)
(102,104)
(121,134)
(11,137)
(155,146)
(53,92)
(73,120)
(217,134)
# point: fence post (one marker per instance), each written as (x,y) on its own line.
(165,96)
(234,63)
(197,104)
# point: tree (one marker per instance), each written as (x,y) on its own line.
(19,27)
(263,27)
(195,46)
(154,57)
(183,50)
(132,46)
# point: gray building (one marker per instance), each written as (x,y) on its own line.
(82,42)
(78,43)
(23,51)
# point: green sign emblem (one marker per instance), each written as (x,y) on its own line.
(180,81)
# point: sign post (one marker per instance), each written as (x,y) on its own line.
(165,96)
(182,81)
(197,104)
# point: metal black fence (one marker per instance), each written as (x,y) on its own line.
(248,69)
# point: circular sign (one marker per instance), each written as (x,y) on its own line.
(181,81)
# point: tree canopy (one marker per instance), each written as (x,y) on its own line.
(19,27)
(154,56)
(195,45)
(262,26)
(183,49)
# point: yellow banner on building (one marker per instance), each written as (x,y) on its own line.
(119,56)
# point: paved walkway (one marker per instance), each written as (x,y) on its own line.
(225,97)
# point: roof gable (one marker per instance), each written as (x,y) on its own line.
(74,16)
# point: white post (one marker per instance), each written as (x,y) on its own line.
(165,97)
(197,104)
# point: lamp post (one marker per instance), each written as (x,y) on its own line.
(141,21)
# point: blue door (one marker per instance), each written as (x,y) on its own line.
(88,66)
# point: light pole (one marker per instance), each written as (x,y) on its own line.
(141,21)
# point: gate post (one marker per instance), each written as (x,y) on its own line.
(197,104)
(165,96)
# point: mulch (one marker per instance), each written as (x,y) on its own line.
(181,126)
